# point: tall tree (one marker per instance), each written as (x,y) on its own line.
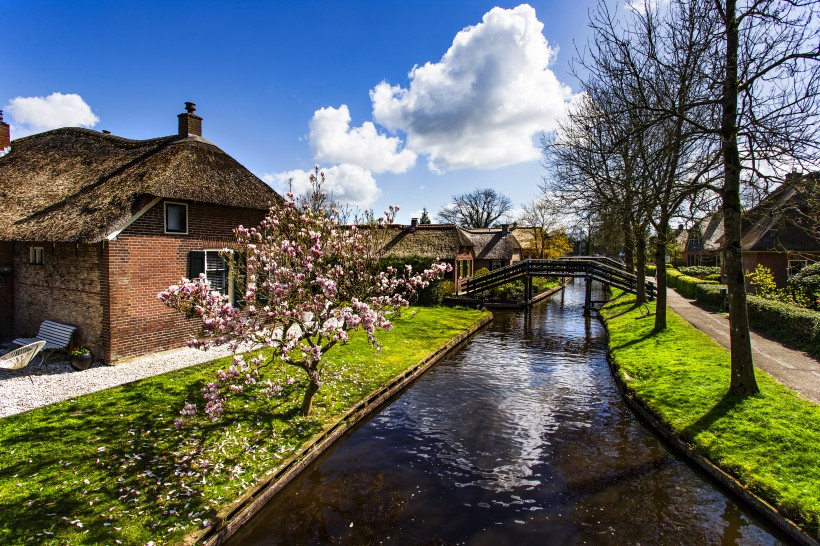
(480,208)
(425,217)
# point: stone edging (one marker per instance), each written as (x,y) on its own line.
(230,520)
(763,508)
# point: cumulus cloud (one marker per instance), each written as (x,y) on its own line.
(37,114)
(349,184)
(482,103)
(334,141)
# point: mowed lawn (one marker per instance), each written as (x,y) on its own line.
(770,442)
(111,468)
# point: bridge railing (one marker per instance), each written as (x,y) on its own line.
(601,269)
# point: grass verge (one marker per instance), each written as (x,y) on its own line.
(110,468)
(768,442)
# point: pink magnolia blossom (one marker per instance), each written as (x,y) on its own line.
(307,282)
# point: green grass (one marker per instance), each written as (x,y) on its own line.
(110,467)
(769,442)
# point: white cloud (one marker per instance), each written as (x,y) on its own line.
(482,103)
(334,141)
(37,114)
(349,184)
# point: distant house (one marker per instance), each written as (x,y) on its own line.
(445,242)
(94,225)
(494,247)
(783,231)
(701,244)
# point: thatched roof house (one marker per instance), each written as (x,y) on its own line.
(782,232)
(494,247)
(93,226)
(78,185)
(701,244)
(445,242)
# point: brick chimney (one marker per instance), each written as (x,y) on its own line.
(189,123)
(414,223)
(505,229)
(5,133)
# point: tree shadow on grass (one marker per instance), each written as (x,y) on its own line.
(705,422)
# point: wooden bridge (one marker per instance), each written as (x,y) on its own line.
(590,268)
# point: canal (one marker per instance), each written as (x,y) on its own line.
(520,437)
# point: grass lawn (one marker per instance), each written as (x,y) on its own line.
(110,468)
(769,442)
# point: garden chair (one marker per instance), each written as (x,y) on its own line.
(57,337)
(20,358)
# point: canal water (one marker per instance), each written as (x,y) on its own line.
(519,438)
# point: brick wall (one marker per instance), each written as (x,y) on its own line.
(6,291)
(64,288)
(143,261)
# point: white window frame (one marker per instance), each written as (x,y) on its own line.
(36,255)
(165,217)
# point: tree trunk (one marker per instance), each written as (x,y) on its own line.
(629,245)
(743,381)
(660,275)
(307,401)
(640,258)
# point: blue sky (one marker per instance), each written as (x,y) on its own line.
(284,85)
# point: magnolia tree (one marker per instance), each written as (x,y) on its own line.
(308,282)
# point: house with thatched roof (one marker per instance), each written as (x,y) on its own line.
(783,231)
(701,244)
(445,242)
(494,247)
(93,226)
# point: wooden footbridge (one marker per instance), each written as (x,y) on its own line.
(590,268)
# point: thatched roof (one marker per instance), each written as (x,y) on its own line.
(493,244)
(79,185)
(442,241)
(786,220)
(710,230)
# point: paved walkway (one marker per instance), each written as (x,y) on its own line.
(794,369)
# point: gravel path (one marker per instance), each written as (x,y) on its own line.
(57,380)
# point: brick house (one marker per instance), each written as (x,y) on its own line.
(702,243)
(783,232)
(93,226)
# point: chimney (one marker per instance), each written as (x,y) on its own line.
(414,223)
(5,133)
(505,229)
(189,123)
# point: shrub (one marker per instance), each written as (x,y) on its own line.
(687,286)
(448,288)
(672,277)
(430,296)
(699,271)
(712,295)
(763,283)
(481,272)
(806,284)
(651,270)
(785,322)
(713,277)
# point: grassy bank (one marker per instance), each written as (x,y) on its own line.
(110,468)
(769,442)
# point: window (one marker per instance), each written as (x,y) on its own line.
(496,264)
(36,255)
(796,265)
(176,218)
(216,270)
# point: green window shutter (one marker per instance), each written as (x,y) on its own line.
(196,263)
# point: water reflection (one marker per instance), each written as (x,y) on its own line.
(520,438)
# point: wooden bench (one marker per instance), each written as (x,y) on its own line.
(56,335)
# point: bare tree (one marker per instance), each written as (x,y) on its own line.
(541,220)
(477,209)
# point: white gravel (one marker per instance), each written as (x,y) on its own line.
(41,384)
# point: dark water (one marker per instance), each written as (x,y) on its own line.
(519,438)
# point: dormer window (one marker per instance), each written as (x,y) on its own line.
(176,218)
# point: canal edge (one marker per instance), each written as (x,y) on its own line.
(254,498)
(761,506)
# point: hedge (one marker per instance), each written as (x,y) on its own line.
(699,271)
(786,322)
(783,321)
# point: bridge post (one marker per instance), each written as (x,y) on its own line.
(528,289)
(588,295)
